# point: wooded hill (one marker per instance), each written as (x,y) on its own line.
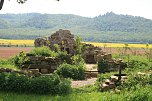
(110,27)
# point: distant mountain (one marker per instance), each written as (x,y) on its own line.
(110,27)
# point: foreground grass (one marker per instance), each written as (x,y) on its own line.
(141,94)
(4,63)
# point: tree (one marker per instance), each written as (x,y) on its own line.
(1,4)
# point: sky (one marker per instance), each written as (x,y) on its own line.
(86,8)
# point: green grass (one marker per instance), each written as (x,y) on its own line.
(89,93)
(7,64)
(141,94)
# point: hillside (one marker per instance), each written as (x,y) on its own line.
(106,28)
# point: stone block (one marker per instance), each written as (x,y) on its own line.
(104,87)
(114,78)
(44,71)
(107,56)
(34,71)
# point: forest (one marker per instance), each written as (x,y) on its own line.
(109,27)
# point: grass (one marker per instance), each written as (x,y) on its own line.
(4,63)
(141,94)
(89,93)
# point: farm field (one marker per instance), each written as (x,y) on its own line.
(119,45)
(115,45)
(7,52)
(17,42)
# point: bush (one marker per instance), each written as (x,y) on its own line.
(20,59)
(63,56)
(135,80)
(16,83)
(2,80)
(141,94)
(64,87)
(136,64)
(102,66)
(76,72)
(77,59)
(39,85)
(42,51)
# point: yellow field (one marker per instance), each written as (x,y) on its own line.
(119,45)
(17,42)
(31,43)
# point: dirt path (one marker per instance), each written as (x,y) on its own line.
(77,84)
(89,81)
(91,67)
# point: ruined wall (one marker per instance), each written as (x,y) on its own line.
(44,65)
(63,38)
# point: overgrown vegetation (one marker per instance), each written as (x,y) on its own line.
(136,88)
(76,72)
(53,84)
(20,59)
(43,51)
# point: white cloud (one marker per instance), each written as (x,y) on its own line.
(88,8)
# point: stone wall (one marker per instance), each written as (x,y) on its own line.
(44,65)
(63,38)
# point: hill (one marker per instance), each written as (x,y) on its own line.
(110,27)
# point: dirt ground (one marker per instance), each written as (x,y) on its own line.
(7,52)
(80,83)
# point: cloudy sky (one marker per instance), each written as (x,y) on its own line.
(87,8)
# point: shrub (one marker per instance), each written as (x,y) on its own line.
(14,82)
(139,95)
(135,80)
(64,87)
(2,81)
(42,51)
(76,72)
(102,66)
(20,59)
(77,59)
(17,82)
(63,56)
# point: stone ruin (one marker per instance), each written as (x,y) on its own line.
(66,42)
(63,38)
(23,72)
(39,42)
(91,54)
(44,65)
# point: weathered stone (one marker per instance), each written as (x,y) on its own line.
(64,39)
(104,87)
(44,71)
(112,85)
(34,71)
(39,42)
(107,81)
(44,63)
(107,56)
(92,54)
(114,78)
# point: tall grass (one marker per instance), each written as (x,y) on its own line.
(4,63)
(141,94)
